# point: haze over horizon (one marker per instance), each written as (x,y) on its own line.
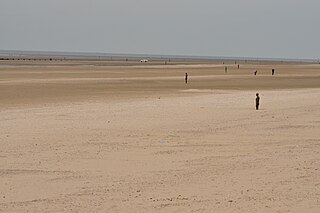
(241,28)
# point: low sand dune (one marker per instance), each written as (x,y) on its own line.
(138,139)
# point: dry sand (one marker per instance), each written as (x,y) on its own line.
(137,139)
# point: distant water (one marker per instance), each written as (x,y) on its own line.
(4,54)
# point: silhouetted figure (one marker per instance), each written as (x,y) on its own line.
(257,101)
(186,78)
(255,72)
(225,69)
(272,72)
(238,66)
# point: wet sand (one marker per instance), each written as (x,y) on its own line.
(138,139)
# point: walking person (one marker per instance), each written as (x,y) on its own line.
(257,101)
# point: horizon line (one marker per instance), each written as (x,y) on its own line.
(91,54)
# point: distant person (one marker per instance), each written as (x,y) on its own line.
(272,72)
(255,72)
(186,78)
(257,101)
(225,69)
(238,66)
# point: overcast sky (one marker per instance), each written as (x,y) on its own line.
(255,28)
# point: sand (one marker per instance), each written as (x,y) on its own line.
(83,138)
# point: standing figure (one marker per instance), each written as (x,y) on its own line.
(272,72)
(257,101)
(186,78)
(255,72)
(225,69)
(238,66)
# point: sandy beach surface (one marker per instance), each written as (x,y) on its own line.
(92,137)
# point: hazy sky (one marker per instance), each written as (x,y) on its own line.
(256,28)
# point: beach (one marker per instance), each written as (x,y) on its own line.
(98,137)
